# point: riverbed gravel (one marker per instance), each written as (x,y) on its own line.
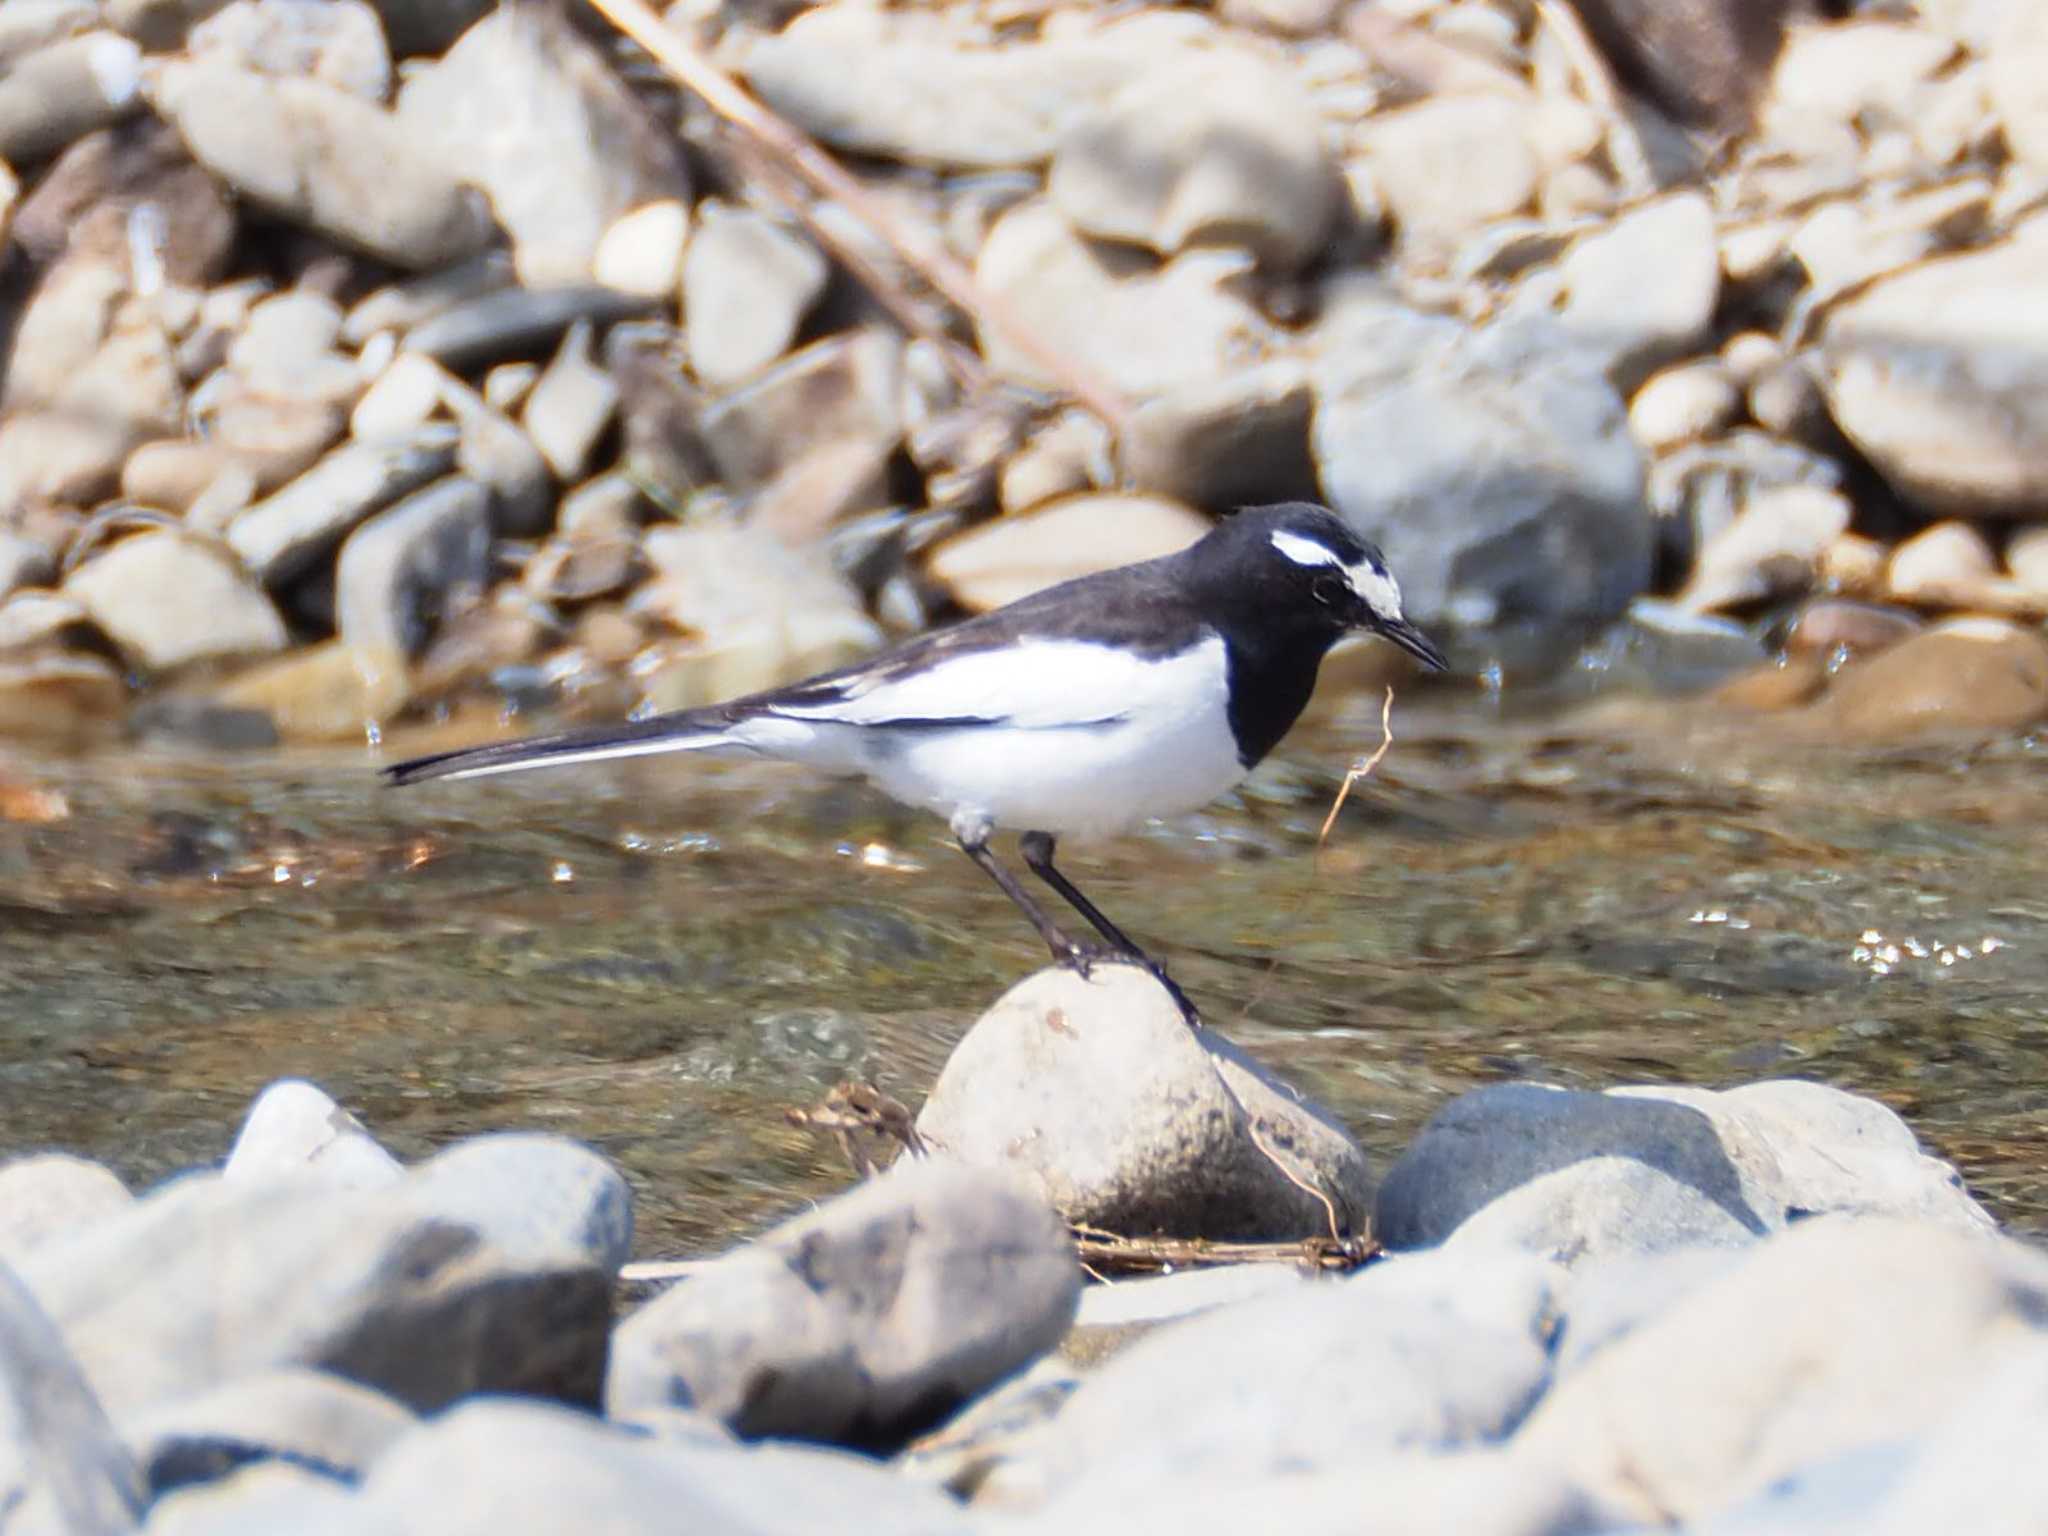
(1630,336)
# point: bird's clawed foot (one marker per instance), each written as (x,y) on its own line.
(1083,958)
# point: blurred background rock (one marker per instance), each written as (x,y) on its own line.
(382,364)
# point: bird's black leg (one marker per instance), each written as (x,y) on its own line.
(1037,849)
(1064,949)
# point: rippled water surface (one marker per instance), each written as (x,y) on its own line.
(659,958)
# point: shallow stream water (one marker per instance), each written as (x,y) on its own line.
(660,958)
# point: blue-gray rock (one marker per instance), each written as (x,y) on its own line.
(1096,1091)
(1424,1354)
(205,1281)
(863,1322)
(313,1420)
(412,565)
(48,1195)
(1841,1495)
(1841,1332)
(533,1195)
(294,1130)
(503,1468)
(63,1472)
(1573,1174)
(1493,465)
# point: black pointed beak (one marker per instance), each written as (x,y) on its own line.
(1413,641)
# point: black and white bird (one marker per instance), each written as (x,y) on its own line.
(1078,711)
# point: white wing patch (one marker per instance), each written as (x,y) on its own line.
(1303,551)
(1038,684)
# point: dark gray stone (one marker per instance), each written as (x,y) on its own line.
(1494,466)
(428,26)
(1574,1174)
(1096,1091)
(509,323)
(412,565)
(417,300)
(1494,1140)
(863,1322)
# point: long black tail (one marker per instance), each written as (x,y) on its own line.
(691,730)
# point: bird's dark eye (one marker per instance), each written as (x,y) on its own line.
(1328,590)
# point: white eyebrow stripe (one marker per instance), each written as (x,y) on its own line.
(1303,551)
(1377,588)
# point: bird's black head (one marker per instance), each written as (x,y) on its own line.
(1302,559)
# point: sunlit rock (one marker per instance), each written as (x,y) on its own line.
(1097,1092)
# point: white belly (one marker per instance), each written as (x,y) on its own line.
(1074,782)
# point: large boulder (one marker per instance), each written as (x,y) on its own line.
(1097,1092)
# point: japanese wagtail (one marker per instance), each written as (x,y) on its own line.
(1080,710)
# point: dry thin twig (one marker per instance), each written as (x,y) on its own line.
(1100,1250)
(1361,768)
(782,142)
